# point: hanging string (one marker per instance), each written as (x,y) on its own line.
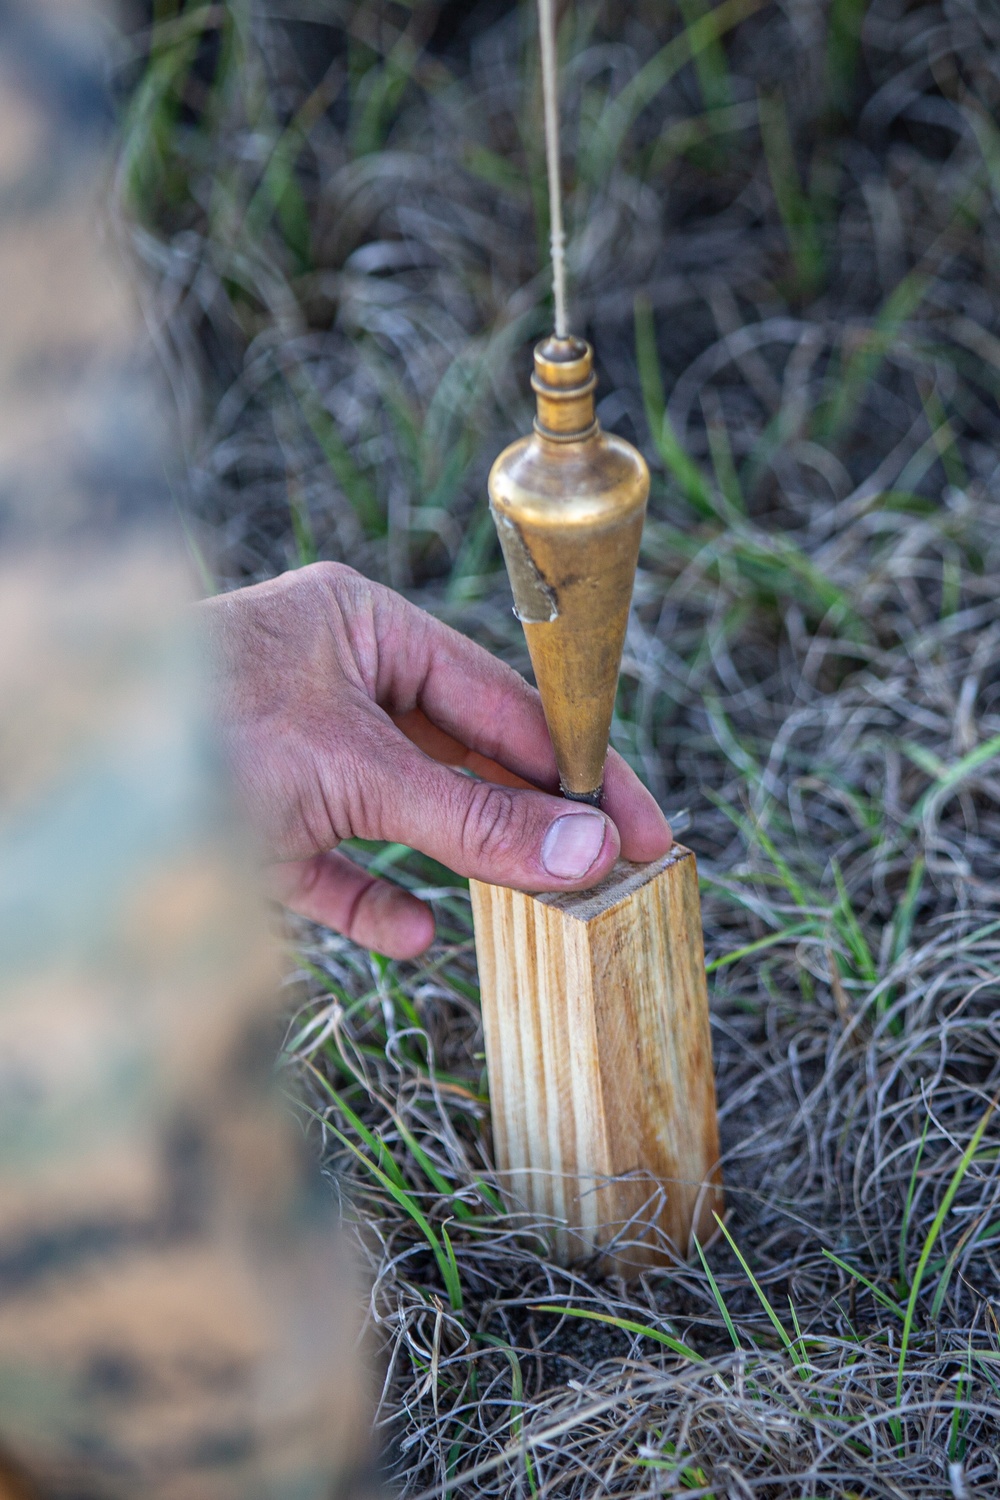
(550,97)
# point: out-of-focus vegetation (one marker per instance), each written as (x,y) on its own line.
(784,223)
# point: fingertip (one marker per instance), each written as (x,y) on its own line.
(334,891)
(414,932)
(645,833)
(579,846)
(611,850)
(650,836)
(392,922)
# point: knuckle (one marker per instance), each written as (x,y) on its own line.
(371,790)
(368,818)
(331,573)
(344,591)
(308,877)
(362,923)
(494,828)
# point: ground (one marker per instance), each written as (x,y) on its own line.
(783,224)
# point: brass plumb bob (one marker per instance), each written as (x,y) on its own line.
(569,503)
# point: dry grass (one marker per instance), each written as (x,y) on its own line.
(785,253)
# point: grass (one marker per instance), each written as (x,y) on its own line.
(782,242)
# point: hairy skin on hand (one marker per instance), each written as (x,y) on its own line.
(348,712)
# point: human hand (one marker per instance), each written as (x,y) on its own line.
(348,712)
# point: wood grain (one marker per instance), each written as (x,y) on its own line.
(595,1012)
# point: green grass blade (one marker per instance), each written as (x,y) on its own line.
(850,929)
(306,551)
(960,1413)
(385,1159)
(796,930)
(720,1301)
(452,1280)
(882,1298)
(666,1339)
(987,134)
(710,62)
(947,778)
(843,51)
(355,485)
(726,476)
(377,94)
(799,1337)
(797,212)
(902,921)
(861,366)
(904,1228)
(928,1246)
(598,158)
(779,1327)
(676,462)
(430,1171)
(445,1259)
(692,482)
(754,833)
(378,1149)
(648,365)
(516,1402)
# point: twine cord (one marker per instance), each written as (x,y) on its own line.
(550,98)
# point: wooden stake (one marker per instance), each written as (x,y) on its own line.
(595,1010)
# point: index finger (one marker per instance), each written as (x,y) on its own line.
(444,747)
(480,701)
(465,707)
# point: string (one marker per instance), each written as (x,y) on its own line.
(550,97)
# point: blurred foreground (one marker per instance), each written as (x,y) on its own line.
(178,1314)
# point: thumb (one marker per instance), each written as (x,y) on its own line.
(525,839)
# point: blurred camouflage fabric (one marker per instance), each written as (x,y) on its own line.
(177,1316)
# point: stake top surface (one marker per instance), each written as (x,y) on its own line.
(624,880)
